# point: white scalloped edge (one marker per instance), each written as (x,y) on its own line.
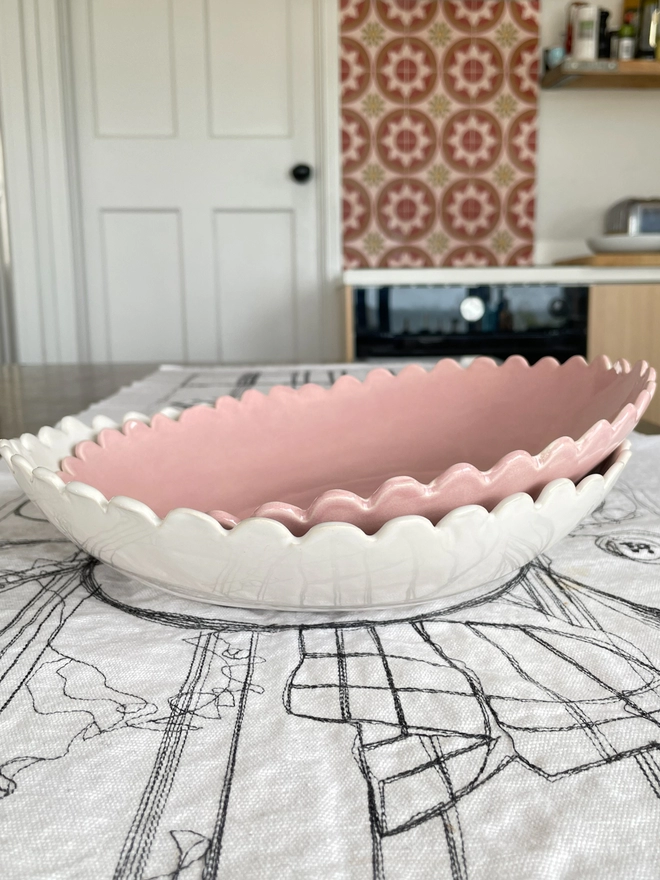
(603,434)
(260,564)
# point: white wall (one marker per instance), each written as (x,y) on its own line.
(594,148)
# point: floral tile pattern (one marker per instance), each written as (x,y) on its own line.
(438,131)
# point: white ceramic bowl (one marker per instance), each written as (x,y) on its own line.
(259,563)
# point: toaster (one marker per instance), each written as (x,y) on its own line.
(633,217)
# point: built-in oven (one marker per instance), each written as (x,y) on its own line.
(533,321)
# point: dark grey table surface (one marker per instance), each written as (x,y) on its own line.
(33,396)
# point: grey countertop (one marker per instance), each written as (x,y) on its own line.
(32,396)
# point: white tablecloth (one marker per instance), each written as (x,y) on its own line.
(512,732)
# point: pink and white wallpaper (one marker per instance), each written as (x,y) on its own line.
(438,131)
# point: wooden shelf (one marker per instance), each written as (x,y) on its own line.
(604,74)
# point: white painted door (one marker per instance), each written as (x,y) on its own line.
(190,114)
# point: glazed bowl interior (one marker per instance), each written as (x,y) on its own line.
(291,445)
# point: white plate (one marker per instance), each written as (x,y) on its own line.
(624,244)
(335,566)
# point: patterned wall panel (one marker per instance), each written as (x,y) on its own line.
(438,131)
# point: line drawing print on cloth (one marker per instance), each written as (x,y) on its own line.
(431,725)
(548,677)
(196,699)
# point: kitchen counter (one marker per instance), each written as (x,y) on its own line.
(496,275)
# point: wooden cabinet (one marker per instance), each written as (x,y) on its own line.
(624,322)
(349,323)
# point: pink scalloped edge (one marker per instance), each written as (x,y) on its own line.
(433,500)
(608,472)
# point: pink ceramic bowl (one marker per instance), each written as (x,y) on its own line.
(366,452)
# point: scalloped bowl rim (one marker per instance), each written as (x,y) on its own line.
(70,424)
(627,417)
(261,564)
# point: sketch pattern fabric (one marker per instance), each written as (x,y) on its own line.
(509,732)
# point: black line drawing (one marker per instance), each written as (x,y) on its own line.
(29,633)
(191,849)
(639,546)
(431,712)
(245,381)
(195,699)
(63,686)
(547,675)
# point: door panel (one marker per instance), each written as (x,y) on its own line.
(190,115)
(249,89)
(143,283)
(260,304)
(132,68)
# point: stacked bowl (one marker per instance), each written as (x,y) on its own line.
(389,491)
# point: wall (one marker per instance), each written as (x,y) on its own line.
(594,148)
(438,132)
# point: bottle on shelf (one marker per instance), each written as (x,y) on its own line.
(603,34)
(630,12)
(626,42)
(614,42)
(571,27)
(647,29)
(585,33)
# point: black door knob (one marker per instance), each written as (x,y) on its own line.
(301,173)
